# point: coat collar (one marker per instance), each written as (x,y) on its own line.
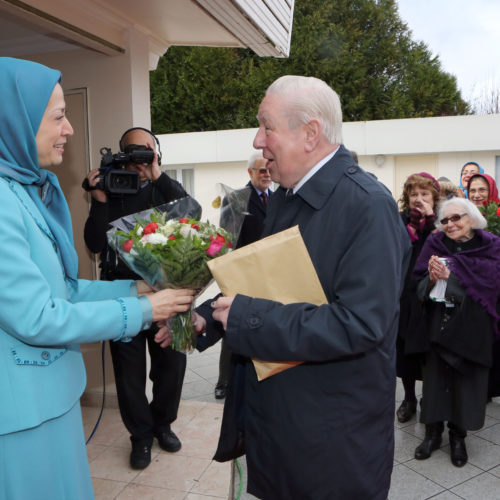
(318,188)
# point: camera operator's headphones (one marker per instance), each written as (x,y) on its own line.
(158,150)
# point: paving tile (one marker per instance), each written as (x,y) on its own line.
(104,489)
(493,410)
(215,481)
(173,471)
(404,445)
(439,469)
(490,434)
(483,487)
(113,463)
(139,491)
(447,495)
(194,389)
(407,484)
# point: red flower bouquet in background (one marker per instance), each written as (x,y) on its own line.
(169,246)
(491,212)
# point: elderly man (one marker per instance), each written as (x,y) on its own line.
(253,224)
(322,429)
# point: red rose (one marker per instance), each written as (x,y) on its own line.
(498,211)
(183,220)
(172,237)
(195,226)
(229,244)
(127,246)
(220,238)
(150,228)
(485,203)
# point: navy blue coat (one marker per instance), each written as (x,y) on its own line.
(325,429)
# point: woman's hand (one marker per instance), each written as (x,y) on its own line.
(437,270)
(169,302)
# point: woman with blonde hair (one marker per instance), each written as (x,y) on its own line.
(418,202)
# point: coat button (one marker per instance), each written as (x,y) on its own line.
(45,355)
(254,321)
(352,170)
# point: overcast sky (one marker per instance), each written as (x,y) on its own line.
(464,34)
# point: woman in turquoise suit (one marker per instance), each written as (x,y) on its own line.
(46,311)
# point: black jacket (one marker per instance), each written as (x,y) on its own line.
(161,191)
(307,428)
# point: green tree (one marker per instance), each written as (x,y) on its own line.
(360,47)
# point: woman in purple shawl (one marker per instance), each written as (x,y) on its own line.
(459,273)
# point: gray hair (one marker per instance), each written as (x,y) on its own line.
(254,158)
(464,206)
(311,98)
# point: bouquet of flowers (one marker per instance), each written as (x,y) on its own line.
(168,246)
(491,212)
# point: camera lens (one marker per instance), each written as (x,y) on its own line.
(120,181)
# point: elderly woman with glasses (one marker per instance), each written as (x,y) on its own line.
(459,273)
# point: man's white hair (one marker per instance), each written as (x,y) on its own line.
(464,206)
(254,158)
(310,98)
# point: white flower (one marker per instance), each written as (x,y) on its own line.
(139,230)
(156,239)
(187,230)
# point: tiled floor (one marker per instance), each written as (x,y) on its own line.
(191,475)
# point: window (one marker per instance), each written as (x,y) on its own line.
(183,175)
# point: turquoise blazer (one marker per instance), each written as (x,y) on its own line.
(44,317)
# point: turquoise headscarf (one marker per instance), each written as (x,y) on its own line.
(481,171)
(26,88)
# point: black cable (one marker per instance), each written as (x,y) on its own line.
(103,352)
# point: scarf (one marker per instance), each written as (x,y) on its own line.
(478,270)
(460,185)
(26,88)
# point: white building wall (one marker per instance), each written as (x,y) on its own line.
(390,149)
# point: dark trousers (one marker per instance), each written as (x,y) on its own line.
(143,419)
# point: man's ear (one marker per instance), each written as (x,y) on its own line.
(313,135)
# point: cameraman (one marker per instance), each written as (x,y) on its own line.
(143,420)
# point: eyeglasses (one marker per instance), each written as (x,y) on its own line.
(262,170)
(453,218)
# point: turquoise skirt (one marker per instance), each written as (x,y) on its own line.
(46,462)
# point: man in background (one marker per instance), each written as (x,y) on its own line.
(142,419)
(253,224)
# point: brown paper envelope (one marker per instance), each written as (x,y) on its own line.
(241,271)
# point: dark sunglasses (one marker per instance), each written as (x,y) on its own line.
(453,218)
(262,170)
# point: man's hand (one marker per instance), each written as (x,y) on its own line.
(152,171)
(97,194)
(164,336)
(221,312)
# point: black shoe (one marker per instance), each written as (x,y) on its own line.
(428,445)
(458,451)
(168,441)
(140,456)
(220,390)
(406,411)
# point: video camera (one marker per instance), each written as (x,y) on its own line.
(113,178)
